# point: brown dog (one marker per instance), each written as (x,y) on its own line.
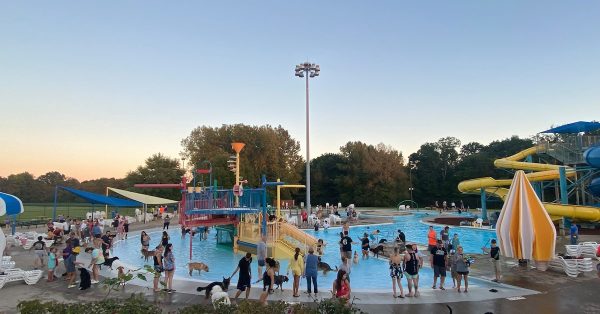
(121,275)
(197,266)
(147,254)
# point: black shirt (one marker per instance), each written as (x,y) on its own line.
(439,255)
(495,253)
(365,243)
(39,245)
(402,236)
(244,266)
(346,244)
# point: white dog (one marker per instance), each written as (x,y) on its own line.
(219,297)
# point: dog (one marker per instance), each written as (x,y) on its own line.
(121,275)
(85,280)
(147,254)
(218,296)
(223,284)
(355,257)
(325,267)
(377,250)
(279,280)
(197,266)
(109,262)
(382,241)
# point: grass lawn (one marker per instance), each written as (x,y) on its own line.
(74,210)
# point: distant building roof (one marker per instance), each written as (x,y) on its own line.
(575,127)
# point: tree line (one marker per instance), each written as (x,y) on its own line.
(360,173)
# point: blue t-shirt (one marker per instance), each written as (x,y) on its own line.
(96,230)
(573,230)
(312,262)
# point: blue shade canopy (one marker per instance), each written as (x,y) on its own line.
(94,198)
(10,205)
(575,127)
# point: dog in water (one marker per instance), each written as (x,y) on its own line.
(279,280)
(147,254)
(382,241)
(223,284)
(85,280)
(108,261)
(218,296)
(325,267)
(355,257)
(197,266)
(377,250)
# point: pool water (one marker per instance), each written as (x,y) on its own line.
(369,274)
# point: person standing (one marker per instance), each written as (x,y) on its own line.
(411,264)
(158,266)
(445,235)
(574,234)
(268,280)
(494,258)
(310,270)
(296,265)
(347,245)
(261,253)
(169,264)
(97,260)
(165,239)
(455,241)
(439,260)
(39,247)
(145,240)
(396,272)
(51,264)
(166,222)
(431,239)
(70,264)
(462,268)
(125,226)
(245,275)
(365,245)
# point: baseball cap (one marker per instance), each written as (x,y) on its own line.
(76,250)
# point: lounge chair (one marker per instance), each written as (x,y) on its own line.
(569,266)
(30,277)
(335,219)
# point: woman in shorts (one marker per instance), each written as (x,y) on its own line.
(158,266)
(462,268)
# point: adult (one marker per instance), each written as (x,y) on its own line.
(365,245)
(346,243)
(439,260)
(40,249)
(166,222)
(296,265)
(431,239)
(574,234)
(158,266)
(445,235)
(121,228)
(125,226)
(346,227)
(96,230)
(411,264)
(455,241)
(245,275)
(95,263)
(401,237)
(169,264)
(396,272)
(341,286)
(261,253)
(165,239)
(268,280)
(77,228)
(70,265)
(310,270)
(106,242)
(462,268)
(304,216)
(145,240)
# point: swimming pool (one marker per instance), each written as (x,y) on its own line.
(372,273)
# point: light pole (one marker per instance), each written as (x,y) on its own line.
(411,166)
(307,70)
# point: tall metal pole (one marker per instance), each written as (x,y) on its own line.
(308,207)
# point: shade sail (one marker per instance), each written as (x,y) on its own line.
(575,127)
(101,199)
(10,204)
(143,198)
(524,227)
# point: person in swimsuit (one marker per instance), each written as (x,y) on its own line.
(341,286)
(158,266)
(411,264)
(396,272)
(165,239)
(296,265)
(145,240)
(268,280)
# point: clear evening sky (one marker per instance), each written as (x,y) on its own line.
(92,88)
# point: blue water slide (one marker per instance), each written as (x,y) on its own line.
(592,158)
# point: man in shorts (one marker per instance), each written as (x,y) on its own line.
(245,275)
(439,260)
(346,246)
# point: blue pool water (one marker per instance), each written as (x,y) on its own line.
(371,274)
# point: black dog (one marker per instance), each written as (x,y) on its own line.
(85,281)
(376,250)
(279,280)
(108,261)
(224,286)
(382,241)
(325,267)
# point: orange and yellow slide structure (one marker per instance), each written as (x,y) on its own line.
(541,172)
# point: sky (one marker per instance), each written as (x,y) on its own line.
(93,88)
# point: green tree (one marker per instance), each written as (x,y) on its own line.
(157,169)
(326,171)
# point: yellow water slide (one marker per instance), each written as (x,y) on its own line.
(543,172)
(291,237)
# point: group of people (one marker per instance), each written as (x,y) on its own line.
(121,226)
(163,260)
(452,206)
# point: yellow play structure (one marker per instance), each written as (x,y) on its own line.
(540,172)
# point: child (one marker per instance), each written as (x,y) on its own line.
(320,246)
(51,264)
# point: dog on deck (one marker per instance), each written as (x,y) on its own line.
(121,275)
(147,254)
(377,250)
(85,280)
(197,266)
(223,284)
(108,261)
(325,267)
(279,280)
(218,296)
